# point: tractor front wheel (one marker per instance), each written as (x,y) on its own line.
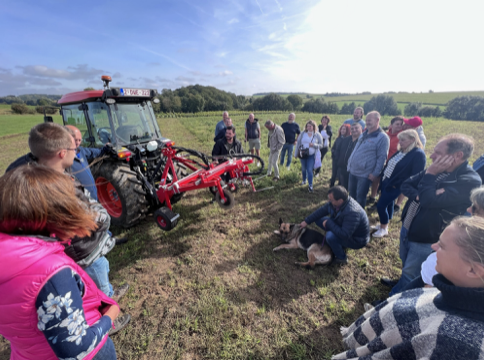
(121,194)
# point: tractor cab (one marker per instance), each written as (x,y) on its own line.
(123,117)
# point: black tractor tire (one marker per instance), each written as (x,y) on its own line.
(121,193)
(229,202)
(162,218)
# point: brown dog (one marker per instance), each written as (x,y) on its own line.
(306,239)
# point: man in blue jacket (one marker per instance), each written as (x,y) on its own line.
(367,159)
(345,222)
(435,196)
(80,168)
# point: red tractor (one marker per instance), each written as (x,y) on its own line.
(144,172)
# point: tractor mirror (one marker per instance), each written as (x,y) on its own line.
(48,119)
(156,100)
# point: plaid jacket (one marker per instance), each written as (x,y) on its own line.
(440,323)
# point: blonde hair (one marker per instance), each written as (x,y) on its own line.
(412,135)
(471,238)
(313,123)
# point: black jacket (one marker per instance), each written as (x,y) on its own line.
(221,147)
(350,222)
(343,150)
(26,159)
(436,211)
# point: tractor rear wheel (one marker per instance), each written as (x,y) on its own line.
(121,194)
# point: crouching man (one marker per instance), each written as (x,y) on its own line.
(344,221)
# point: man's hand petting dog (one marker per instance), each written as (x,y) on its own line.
(303,224)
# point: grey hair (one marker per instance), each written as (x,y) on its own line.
(292,115)
(375,114)
(459,142)
(477,197)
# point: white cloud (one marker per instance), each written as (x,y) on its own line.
(233,21)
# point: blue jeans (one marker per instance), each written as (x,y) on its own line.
(413,254)
(107,352)
(289,148)
(307,166)
(386,202)
(358,188)
(336,244)
(98,271)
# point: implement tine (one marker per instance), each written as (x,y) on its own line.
(264,189)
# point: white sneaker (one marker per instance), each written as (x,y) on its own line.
(381,233)
(317,175)
(288,168)
(258,164)
(303,183)
(375,227)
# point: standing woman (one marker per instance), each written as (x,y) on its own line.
(343,131)
(408,161)
(308,143)
(50,308)
(325,120)
(445,322)
(326,132)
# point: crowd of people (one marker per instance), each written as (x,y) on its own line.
(58,302)
(441,236)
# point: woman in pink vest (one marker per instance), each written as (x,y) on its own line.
(49,308)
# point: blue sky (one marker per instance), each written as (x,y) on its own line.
(242,46)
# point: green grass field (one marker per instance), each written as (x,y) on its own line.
(213,289)
(436,98)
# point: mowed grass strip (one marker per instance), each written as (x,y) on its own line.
(213,289)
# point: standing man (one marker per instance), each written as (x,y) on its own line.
(221,124)
(366,162)
(343,152)
(435,196)
(396,126)
(357,117)
(275,142)
(252,134)
(84,156)
(291,132)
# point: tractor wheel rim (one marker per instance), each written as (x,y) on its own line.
(109,197)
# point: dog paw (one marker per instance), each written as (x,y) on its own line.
(277,232)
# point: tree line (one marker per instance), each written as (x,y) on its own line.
(198,98)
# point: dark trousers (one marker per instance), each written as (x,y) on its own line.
(386,202)
(334,170)
(343,176)
(323,152)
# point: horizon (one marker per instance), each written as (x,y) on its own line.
(244,47)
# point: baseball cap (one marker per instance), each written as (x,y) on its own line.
(416,121)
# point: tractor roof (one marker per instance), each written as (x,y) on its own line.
(119,93)
(80,96)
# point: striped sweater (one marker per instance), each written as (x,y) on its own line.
(440,323)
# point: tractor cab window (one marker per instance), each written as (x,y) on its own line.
(100,126)
(73,116)
(133,123)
